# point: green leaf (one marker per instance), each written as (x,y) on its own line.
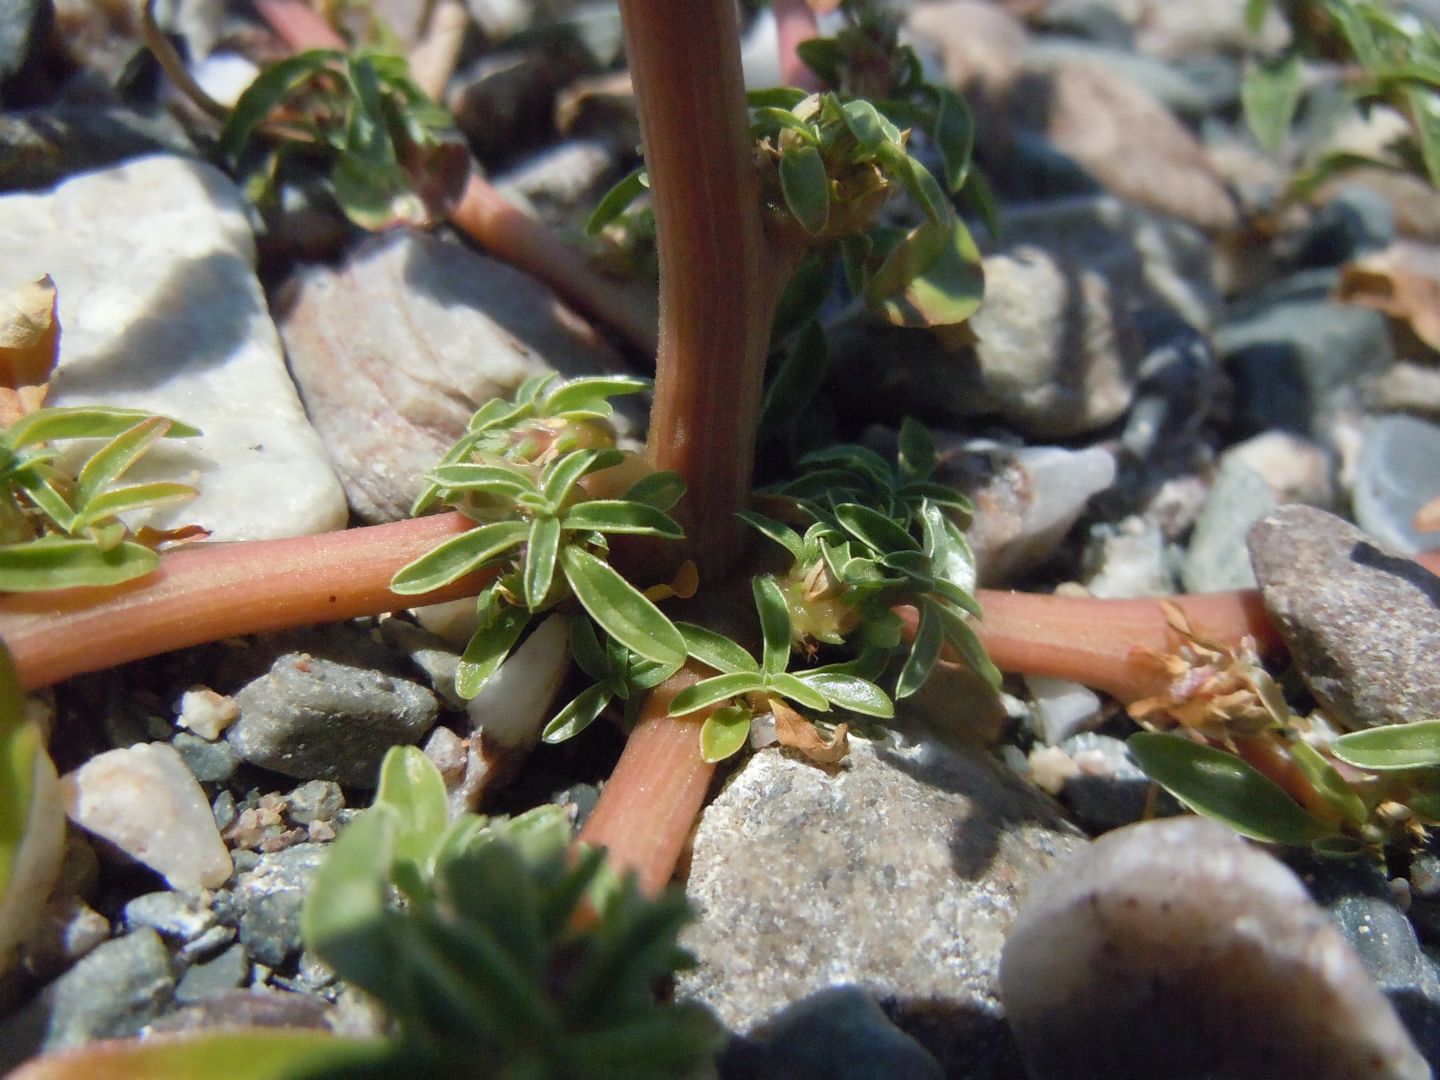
(623,516)
(954,135)
(823,57)
(961,637)
(951,559)
(492,479)
(581,394)
(457,557)
(412,786)
(1326,780)
(918,458)
(874,529)
(947,290)
(716,650)
(1425,111)
(806,187)
(662,489)
(59,562)
(541,552)
(113,460)
(871,130)
(21,743)
(488,647)
(1395,746)
(277,1053)
(620,609)
(342,921)
(775,97)
(131,497)
(924,652)
(1255,15)
(714,690)
(769,120)
(268,90)
(617,200)
(585,647)
(774,624)
(801,373)
(35,482)
(724,732)
(782,534)
(907,260)
(561,475)
(578,714)
(84,422)
(850,692)
(1270,94)
(1220,785)
(797,690)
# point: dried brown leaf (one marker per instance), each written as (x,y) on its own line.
(793,730)
(1403,281)
(29,346)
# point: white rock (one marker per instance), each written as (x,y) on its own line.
(1062,708)
(205,712)
(160,309)
(1173,948)
(146,802)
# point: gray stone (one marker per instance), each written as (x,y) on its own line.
(840,1033)
(112,993)
(69,928)
(1128,560)
(1353,221)
(1406,387)
(1175,949)
(1174,387)
(247,1009)
(314,800)
(1108,789)
(270,899)
(395,349)
(1363,907)
(1061,708)
(207,944)
(1054,351)
(900,873)
(430,653)
(1296,469)
(1025,498)
(211,762)
(1398,473)
(19,19)
(226,972)
(1120,135)
(1362,623)
(563,181)
(1167,83)
(161,309)
(1217,557)
(314,719)
(169,914)
(1294,355)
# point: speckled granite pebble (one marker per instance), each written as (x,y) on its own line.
(1361,621)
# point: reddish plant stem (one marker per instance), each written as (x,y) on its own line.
(207,592)
(496,224)
(718,282)
(646,809)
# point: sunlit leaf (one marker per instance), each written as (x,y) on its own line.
(716,650)
(907,260)
(850,692)
(724,732)
(775,97)
(488,647)
(806,187)
(617,200)
(620,609)
(579,714)
(266,93)
(1270,94)
(1395,746)
(875,529)
(132,497)
(662,489)
(623,516)
(797,690)
(1327,781)
(924,652)
(578,393)
(962,638)
(493,479)
(782,534)
(774,624)
(458,556)
(84,422)
(412,786)
(541,551)
(714,690)
(58,562)
(1220,785)
(947,290)
(112,461)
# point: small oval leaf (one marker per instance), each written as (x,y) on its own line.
(724,733)
(806,187)
(1395,746)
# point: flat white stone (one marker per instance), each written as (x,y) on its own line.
(160,309)
(148,804)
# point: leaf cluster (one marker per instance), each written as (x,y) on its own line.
(880,535)
(518,471)
(392,154)
(1388,58)
(60,523)
(498,951)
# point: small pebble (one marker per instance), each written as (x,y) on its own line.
(314,800)
(205,712)
(1398,472)
(112,993)
(228,971)
(1061,708)
(1362,622)
(1173,948)
(211,762)
(270,898)
(1217,558)
(169,914)
(146,802)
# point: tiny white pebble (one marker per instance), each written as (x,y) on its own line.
(205,712)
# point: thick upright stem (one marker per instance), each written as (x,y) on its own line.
(717,283)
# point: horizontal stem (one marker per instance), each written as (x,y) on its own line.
(207,592)
(647,807)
